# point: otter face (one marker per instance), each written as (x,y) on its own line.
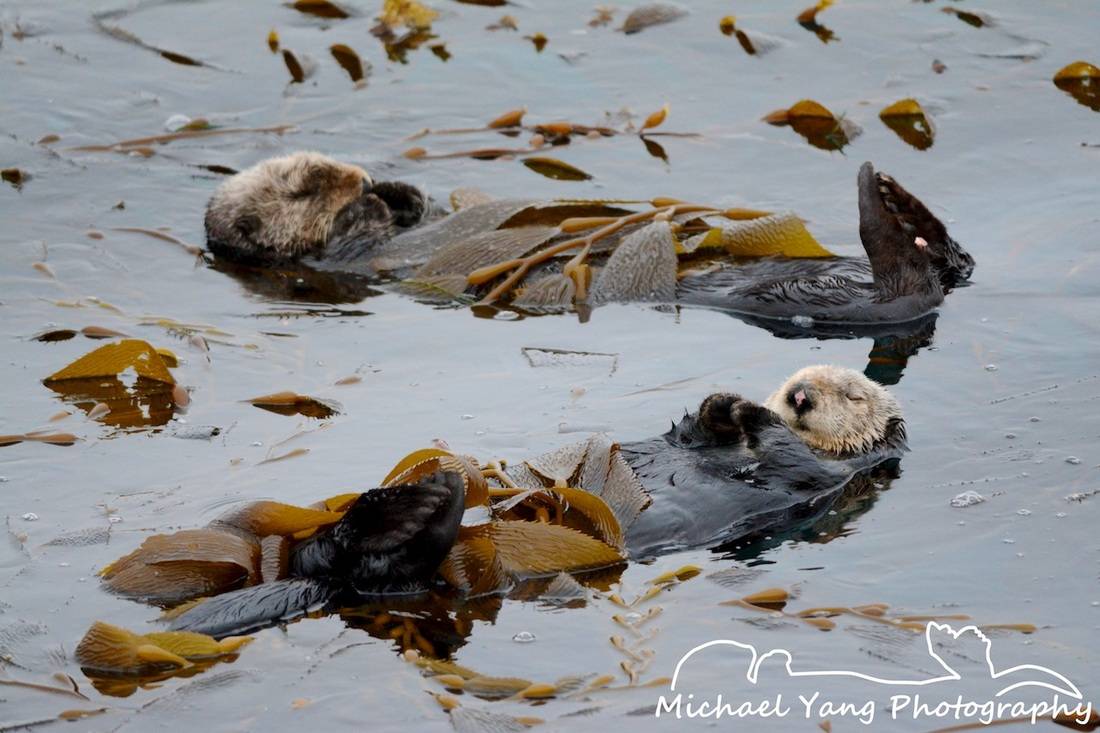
(282,208)
(835,409)
(892,217)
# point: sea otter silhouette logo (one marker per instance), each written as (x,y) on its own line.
(1014,677)
(1020,676)
(907,697)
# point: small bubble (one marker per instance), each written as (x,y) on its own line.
(479,432)
(467,417)
(1024,512)
(256,444)
(1010,436)
(991,367)
(114,519)
(961,523)
(523,637)
(1073,460)
(506,316)
(1019,554)
(1008,541)
(1060,515)
(1095,604)
(30,517)
(4,479)
(62,564)
(1033,418)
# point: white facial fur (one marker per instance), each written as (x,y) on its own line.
(843,411)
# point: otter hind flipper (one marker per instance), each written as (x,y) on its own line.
(256,607)
(903,237)
(390,539)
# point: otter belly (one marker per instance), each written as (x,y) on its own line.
(831,291)
(710,497)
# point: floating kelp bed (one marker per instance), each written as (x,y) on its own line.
(552,256)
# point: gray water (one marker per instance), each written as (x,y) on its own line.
(1004,400)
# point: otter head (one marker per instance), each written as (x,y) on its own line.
(898,230)
(835,409)
(282,208)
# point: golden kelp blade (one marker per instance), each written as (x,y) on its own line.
(113,649)
(196,545)
(533,548)
(349,60)
(512,118)
(408,13)
(338,503)
(411,461)
(472,565)
(1081,80)
(551,293)
(600,520)
(320,8)
(781,234)
(263,518)
(908,120)
(642,268)
(1078,70)
(171,569)
(556,169)
(274,558)
(113,359)
(292,403)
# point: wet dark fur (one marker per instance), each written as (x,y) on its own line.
(391,540)
(898,281)
(735,470)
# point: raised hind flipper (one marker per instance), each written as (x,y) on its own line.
(389,540)
(257,607)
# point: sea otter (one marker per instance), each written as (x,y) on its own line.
(310,211)
(306,204)
(736,469)
(732,470)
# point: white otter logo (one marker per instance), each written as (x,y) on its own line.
(998,707)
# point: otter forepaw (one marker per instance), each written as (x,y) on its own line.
(732,418)
(406,202)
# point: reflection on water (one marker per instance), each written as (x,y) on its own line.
(142,404)
(1085,90)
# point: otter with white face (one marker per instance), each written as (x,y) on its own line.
(305,204)
(736,469)
(834,409)
(733,470)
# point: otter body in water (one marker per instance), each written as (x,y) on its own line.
(305,205)
(733,470)
(736,470)
(312,211)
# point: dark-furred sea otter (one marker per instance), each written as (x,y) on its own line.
(733,470)
(309,211)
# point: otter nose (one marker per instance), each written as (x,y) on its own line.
(799,398)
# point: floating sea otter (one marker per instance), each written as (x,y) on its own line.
(732,471)
(311,212)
